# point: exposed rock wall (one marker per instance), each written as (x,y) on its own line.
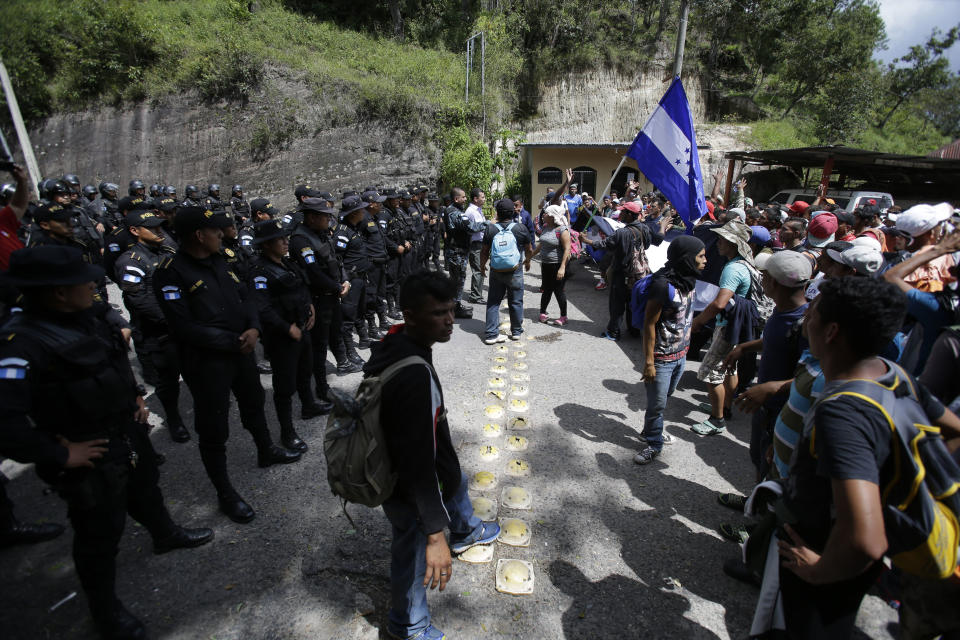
(605,105)
(284,135)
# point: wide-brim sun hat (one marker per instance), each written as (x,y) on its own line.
(739,234)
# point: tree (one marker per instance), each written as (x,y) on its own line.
(928,69)
(942,107)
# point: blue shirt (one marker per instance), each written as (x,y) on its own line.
(925,307)
(573,203)
(735,277)
(526,220)
(782,345)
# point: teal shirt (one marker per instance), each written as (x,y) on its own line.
(735,277)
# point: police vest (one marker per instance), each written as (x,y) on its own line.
(85,388)
(318,251)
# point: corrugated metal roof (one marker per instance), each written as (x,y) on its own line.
(947,152)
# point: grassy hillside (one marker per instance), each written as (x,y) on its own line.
(68,53)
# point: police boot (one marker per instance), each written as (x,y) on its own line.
(364,336)
(375,333)
(392,310)
(288,436)
(114,622)
(229,501)
(344,364)
(351,352)
(267,456)
(15,532)
(178,431)
(384,322)
(182,538)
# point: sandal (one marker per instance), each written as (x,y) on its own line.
(733,501)
(707,428)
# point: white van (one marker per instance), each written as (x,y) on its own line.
(846,200)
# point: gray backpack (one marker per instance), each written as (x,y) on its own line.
(358,463)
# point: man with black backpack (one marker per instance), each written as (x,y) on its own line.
(506,244)
(431,490)
(629,245)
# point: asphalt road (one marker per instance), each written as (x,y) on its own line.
(617,550)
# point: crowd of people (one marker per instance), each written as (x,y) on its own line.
(836,331)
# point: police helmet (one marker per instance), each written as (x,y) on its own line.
(237,189)
(170,191)
(108,190)
(155,191)
(7,191)
(213,190)
(191,191)
(136,188)
(58,188)
(72,181)
(89,191)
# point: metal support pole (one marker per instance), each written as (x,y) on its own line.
(483,69)
(21,129)
(613,175)
(681,37)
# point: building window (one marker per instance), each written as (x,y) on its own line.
(550,175)
(586,179)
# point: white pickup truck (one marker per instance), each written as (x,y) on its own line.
(846,200)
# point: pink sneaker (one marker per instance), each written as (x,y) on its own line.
(561,321)
(601,285)
(543,317)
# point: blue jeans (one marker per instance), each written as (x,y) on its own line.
(511,285)
(409,614)
(662,387)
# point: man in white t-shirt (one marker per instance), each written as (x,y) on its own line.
(474,213)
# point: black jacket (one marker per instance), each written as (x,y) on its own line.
(414,423)
(206,304)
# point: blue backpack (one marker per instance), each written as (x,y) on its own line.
(638,300)
(504,252)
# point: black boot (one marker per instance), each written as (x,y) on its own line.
(392,310)
(230,502)
(178,431)
(373,331)
(235,507)
(315,408)
(116,623)
(364,336)
(16,532)
(463,312)
(182,538)
(269,456)
(384,321)
(351,351)
(288,436)
(347,367)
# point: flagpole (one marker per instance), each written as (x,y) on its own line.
(606,190)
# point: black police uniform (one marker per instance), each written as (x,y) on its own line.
(207,307)
(350,248)
(314,253)
(280,290)
(155,350)
(376,293)
(237,257)
(241,210)
(415,213)
(67,375)
(110,214)
(392,235)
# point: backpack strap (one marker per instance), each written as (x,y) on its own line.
(391,370)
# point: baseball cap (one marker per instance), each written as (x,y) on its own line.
(845,217)
(759,235)
(504,207)
(864,260)
(318,205)
(51,212)
(142,218)
(351,204)
(373,196)
(799,206)
(921,218)
(789,268)
(261,204)
(869,242)
(190,219)
(821,230)
(49,265)
(635,207)
(741,214)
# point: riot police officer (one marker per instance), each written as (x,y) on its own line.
(191,197)
(170,191)
(109,205)
(212,201)
(215,324)
(398,246)
(311,245)
(435,224)
(155,349)
(350,248)
(71,406)
(286,316)
(239,206)
(155,191)
(458,246)
(136,189)
(376,243)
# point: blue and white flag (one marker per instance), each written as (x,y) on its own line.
(666,153)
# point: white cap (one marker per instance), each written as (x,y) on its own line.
(864,260)
(867,241)
(921,218)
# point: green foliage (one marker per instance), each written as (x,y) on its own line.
(466,160)
(275,129)
(780,134)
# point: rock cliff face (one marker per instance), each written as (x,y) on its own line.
(282,136)
(605,106)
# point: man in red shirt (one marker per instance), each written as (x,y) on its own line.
(11,215)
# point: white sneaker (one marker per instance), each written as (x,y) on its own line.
(515,336)
(496,339)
